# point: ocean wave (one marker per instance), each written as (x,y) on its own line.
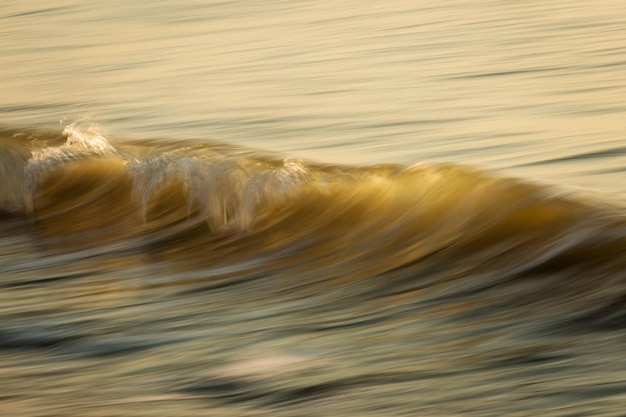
(81,189)
(258,282)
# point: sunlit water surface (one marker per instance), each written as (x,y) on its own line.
(294,208)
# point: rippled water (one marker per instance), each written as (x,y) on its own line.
(533,87)
(296,208)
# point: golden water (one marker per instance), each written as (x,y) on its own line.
(312,209)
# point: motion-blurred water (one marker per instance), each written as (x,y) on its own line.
(536,88)
(307,208)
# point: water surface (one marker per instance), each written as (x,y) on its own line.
(305,209)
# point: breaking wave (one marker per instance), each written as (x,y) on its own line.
(459,271)
(84,190)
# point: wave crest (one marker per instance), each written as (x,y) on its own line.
(210,202)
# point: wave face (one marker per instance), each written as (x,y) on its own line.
(232,282)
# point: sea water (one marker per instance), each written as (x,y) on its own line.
(293,208)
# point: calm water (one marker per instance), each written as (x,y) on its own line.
(292,208)
(535,88)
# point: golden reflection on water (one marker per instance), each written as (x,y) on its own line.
(192,277)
